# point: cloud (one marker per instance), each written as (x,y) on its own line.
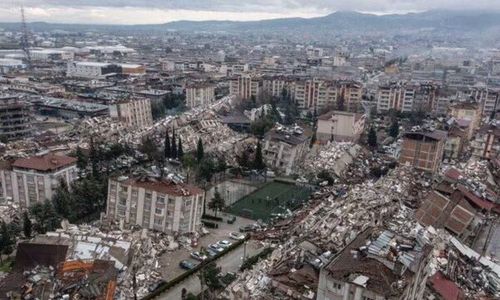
(158,11)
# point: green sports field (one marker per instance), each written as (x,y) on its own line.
(272,198)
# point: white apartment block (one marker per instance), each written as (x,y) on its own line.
(133,113)
(34,179)
(398,97)
(245,86)
(90,69)
(200,95)
(154,203)
(282,151)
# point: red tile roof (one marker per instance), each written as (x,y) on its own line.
(453,174)
(446,288)
(484,204)
(48,162)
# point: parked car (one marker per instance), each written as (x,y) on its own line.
(237,236)
(198,256)
(224,243)
(216,247)
(250,227)
(154,286)
(211,253)
(231,220)
(186,264)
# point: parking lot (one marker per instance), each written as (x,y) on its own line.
(171,260)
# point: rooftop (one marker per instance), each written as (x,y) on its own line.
(163,186)
(48,162)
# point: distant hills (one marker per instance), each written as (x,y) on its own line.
(463,22)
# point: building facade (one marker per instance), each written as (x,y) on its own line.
(423,150)
(283,150)
(340,126)
(155,203)
(200,95)
(133,113)
(486,144)
(30,180)
(15,118)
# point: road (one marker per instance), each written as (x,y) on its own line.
(228,263)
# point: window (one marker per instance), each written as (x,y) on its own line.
(160,200)
(171,201)
(159,211)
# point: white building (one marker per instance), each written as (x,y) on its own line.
(34,179)
(340,126)
(8,65)
(134,113)
(51,54)
(200,95)
(90,69)
(155,203)
(284,149)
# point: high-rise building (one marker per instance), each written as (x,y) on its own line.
(15,118)
(423,150)
(133,113)
(200,94)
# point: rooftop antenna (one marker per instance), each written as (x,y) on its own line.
(24,39)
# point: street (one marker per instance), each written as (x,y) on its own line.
(228,263)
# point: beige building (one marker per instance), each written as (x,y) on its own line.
(245,86)
(423,150)
(486,144)
(340,126)
(132,113)
(34,179)
(155,203)
(200,95)
(376,265)
(467,111)
(283,150)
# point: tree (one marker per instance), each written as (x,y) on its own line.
(94,157)
(217,203)
(167,150)
(27,226)
(148,147)
(6,240)
(243,160)
(372,137)
(394,129)
(324,175)
(341,102)
(209,276)
(188,162)
(173,148)
(313,139)
(221,165)
(62,200)
(180,151)
(46,218)
(199,151)
(258,162)
(81,160)
(206,169)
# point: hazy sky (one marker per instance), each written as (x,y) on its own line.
(160,11)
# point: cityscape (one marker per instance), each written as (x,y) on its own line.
(329,150)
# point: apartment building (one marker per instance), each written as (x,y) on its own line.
(132,113)
(486,144)
(487,98)
(34,179)
(377,264)
(395,96)
(15,118)
(467,111)
(87,69)
(201,94)
(155,203)
(245,86)
(283,149)
(340,126)
(423,150)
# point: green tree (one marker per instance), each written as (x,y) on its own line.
(199,151)
(46,218)
(206,169)
(209,276)
(243,160)
(166,147)
(62,200)
(148,147)
(27,226)
(394,129)
(258,162)
(372,137)
(341,102)
(82,161)
(173,148)
(95,158)
(6,240)
(221,165)
(189,163)
(180,151)
(217,203)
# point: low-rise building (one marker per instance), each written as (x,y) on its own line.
(34,179)
(155,203)
(423,150)
(283,149)
(340,126)
(376,265)
(69,108)
(486,144)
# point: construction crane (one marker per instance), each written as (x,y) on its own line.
(24,39)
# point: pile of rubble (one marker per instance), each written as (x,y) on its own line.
(333,157)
